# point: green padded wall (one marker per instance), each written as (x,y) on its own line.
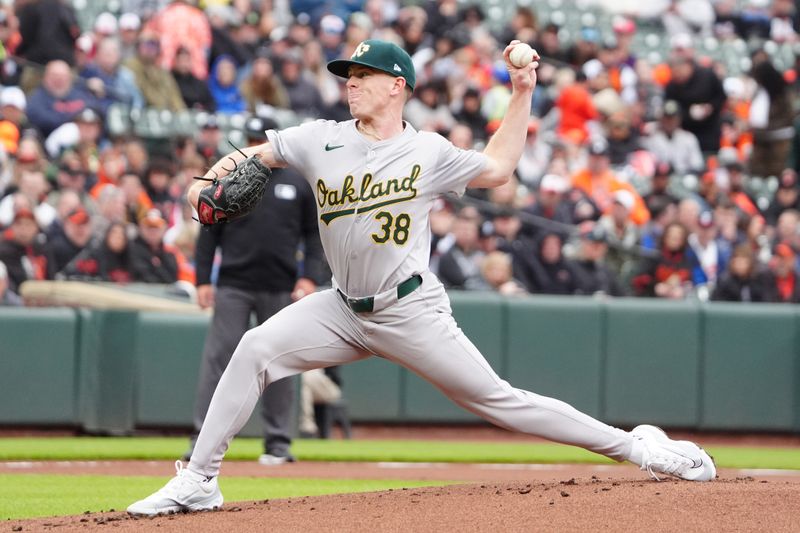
(372,389)
(168,355)
(38,366)
(750,371)
(107,370)
(480,316)
(652,362)
(555,348)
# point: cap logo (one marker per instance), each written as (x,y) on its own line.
(360,50)
(397,68)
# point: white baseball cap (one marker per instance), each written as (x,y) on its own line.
(553,182)
(624,198)
(130,21)
(105,23)
(13,96)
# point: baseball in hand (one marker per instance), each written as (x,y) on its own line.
(521,55)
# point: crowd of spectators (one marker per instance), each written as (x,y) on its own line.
(671,179)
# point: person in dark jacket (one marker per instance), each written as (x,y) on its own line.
(543,269)
(260,276)
(152,261)
(591,271)
(108,259)
(669,273)
(194,91)
(744,281)
(70,238)
(700,95)
(49,29)
(22,251)
(771,120)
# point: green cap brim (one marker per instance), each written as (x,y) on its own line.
(340,67)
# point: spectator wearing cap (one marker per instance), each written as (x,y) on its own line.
(542,268)
(304,97)
(22,250)
(599,183)
(713,253)
(105,259)
(621,234)
(786,276)
(57,100)
(208,139)
(787,196)
(151,260)
(224,88)
(470,114)
(623,137)
(12,118)
(129,26)
(109,80)
(82,134)
(624,32)
(669,273)
(699,92)
(670,143)
(551,204)
(194,91)
(733,178)
(659,187)
(331,36)
(548,45)
(49,29)
(181,24)
(7,296)
(73,235)
(771,121)
(592,274)
(744,280)
(157,85)
(608,71)
(70,177)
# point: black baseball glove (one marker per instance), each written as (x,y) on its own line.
(234,195)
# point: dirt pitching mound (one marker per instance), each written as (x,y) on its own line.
(575,504)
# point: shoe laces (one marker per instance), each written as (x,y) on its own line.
(183,478)
(665,462)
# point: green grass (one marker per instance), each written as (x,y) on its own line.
(161,448)
(34,495)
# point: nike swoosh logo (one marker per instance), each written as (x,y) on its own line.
(328,147)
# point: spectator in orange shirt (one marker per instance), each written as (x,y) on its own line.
(599,183)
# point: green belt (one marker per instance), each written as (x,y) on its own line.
(365,305)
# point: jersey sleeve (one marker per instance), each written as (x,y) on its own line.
(291,146)
(455,167)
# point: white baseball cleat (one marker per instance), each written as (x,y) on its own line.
(187,491)
(679,458)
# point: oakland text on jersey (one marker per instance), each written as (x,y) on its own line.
(381,192)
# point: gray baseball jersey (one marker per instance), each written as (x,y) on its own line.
(374,198)
(373,201)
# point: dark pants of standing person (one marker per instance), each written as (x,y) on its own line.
(232,311)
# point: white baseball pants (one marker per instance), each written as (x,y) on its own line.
(417,332)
